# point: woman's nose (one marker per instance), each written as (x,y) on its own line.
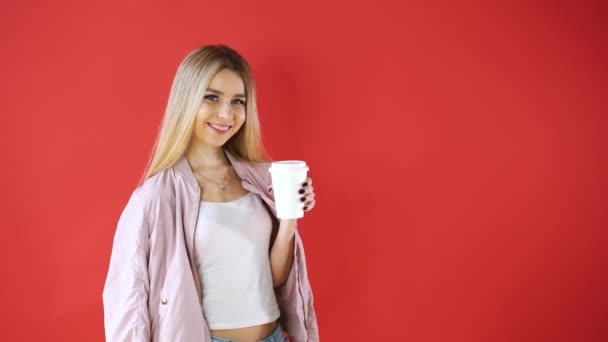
(225,110)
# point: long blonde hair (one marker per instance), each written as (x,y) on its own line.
(189,85)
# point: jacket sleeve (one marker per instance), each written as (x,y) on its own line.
(125,293)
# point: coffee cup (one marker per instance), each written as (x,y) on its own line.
(287,178)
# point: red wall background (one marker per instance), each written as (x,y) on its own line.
(458,152)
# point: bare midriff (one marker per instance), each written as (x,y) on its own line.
(248,334)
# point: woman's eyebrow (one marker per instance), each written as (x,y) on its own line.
(219,92)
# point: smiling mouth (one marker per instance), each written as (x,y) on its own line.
(221,129)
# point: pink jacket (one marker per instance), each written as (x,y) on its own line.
(152,291)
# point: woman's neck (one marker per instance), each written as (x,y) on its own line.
(204,157)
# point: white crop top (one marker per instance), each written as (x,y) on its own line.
(231,248)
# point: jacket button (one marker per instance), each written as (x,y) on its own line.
(164,300)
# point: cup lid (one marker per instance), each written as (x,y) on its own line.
(288,164)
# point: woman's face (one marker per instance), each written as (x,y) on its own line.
(222,112)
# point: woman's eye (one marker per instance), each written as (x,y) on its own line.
(211,97)
(239,102)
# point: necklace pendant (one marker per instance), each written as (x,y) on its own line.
(222,187)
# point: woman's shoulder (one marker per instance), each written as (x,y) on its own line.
(262,166)
(248,168)
(260,169)
(156,187)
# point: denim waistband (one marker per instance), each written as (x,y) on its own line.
(276,336)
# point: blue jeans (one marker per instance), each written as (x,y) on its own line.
(276,336)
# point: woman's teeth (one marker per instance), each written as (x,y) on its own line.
(220,128)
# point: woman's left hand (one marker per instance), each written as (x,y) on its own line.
(306,194)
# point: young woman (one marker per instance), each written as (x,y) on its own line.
(198,253)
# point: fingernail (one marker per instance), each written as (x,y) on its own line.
(303,199)
(301,191)
(305,184)
(305,208)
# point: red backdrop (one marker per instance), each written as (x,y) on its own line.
(458,155)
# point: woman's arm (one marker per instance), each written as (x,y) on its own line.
(125,293)
(281,253)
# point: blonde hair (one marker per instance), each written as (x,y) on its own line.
(189,85)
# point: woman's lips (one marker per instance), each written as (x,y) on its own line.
(219,131)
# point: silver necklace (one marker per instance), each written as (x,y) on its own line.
(220,185)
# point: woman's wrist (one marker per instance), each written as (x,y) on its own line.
(288,225)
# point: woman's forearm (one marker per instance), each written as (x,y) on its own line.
(281,254)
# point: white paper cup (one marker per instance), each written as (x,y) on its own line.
(287,178)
